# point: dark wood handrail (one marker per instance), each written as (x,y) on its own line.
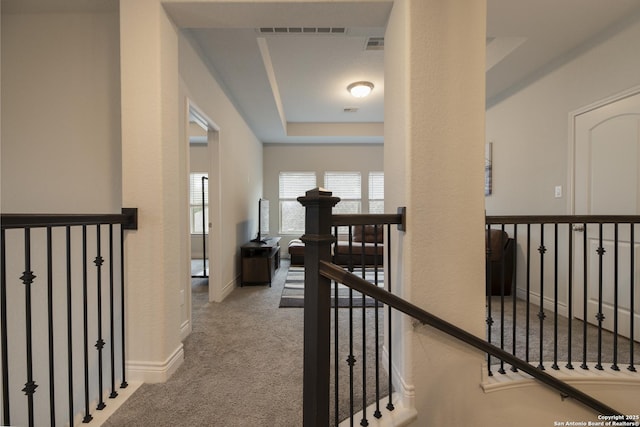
(562,219)
(128,218)
(340,275)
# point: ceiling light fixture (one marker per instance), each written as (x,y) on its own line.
(360,89)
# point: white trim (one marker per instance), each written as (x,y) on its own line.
(534,298)
(155,372)
(400,416)
(575,377)
(185,329)
(406,393)
(226,290)
(101,416)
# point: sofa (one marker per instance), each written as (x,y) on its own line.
(366,240)
(500,250)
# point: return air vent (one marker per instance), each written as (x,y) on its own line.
(374,43)
(302,30)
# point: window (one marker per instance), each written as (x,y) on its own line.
(347,186)
(376,192)
(291,186)
(197,209)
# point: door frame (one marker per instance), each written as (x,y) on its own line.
(573,115)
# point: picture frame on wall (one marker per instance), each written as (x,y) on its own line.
(488,166)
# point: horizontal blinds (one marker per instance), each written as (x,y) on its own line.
(345,185)
(376,185)
(296,184)
(195,187)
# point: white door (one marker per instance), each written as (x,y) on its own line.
(607,182)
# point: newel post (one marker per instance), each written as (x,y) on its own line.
(317,306)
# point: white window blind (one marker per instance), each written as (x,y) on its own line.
(376,192)
(347,186)
(291,186)
(196,207)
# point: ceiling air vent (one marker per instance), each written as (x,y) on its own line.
(350,109)
(374,43)
(302,30)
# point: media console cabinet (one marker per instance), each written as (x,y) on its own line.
(259,261)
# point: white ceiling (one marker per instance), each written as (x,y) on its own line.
(292,88)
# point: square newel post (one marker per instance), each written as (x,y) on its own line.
(317,306)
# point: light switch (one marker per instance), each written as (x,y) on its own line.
(558,191)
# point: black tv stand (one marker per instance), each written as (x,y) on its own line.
(259,261)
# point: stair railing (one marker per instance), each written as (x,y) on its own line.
(62,315)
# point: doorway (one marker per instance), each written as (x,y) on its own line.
(606,155)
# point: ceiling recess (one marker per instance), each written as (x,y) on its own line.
(302,30)
(374,43)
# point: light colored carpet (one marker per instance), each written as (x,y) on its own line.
(243,365)
(293,292)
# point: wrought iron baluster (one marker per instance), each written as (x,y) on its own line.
(112,339)
(615,298)
(52,399)
(569,365)
(541,316)
(351,360)
(514,288)
(600,316)
(555,298)
(376,262)
(489,293)
(336,350)
(387,250)
(99,345)
(632,242)
(364,421)
(6,416)
(69,327)
(27,279)
(528,295)
(124,383)
(85,316)
(503,258)
(584,298)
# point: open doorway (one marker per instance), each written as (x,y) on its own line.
(204,203)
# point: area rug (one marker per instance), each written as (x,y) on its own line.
(293,292)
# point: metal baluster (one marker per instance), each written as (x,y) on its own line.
(390,406)
(52,400)
(85,315)
(632,241)
(364,421)
(27,279)
(489,293)
(569,365)
(69,327)
(542,250)
(528,297)
(615,298)
(336,351)
(351,360)
(600,316)
(123,384)
(555,298)
(99,342)
(584,302)
(112,340)
(514,289)
(502,371)
(6,418)
(377,412)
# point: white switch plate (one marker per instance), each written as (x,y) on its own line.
(558,191)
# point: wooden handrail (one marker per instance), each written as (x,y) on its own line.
(340,275)
(562,219)
(128,218)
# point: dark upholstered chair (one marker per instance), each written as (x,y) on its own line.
(500,259)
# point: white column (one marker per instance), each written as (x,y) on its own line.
(150,147)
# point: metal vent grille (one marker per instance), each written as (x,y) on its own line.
(374,43)
(302,30)
(350,109)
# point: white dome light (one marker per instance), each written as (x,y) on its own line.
(360,89)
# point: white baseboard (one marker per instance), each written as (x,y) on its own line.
(155,372)
(548,302)
(101,416)
(185,330)
(405,392)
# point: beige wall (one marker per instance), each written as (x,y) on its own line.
(60,113)
(363,158)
